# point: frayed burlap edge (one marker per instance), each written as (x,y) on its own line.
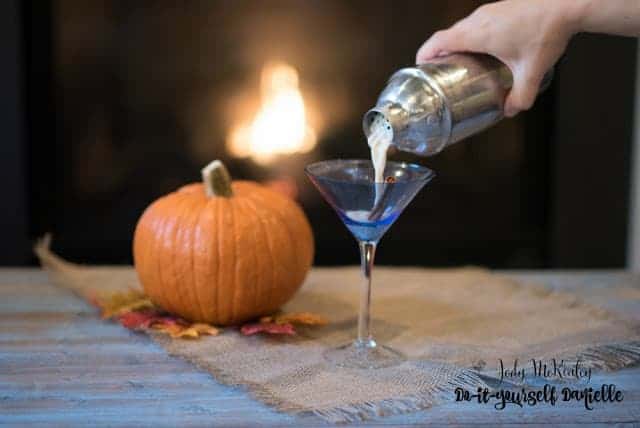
(347,413)
(607,357)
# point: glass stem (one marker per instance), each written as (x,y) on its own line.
(367,254)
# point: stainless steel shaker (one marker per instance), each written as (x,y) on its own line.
(433,105)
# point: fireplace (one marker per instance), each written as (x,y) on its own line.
(126,101)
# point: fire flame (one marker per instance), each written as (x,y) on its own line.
(280,126)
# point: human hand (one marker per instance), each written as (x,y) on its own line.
(529,36)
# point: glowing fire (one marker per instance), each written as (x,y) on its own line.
(280,126)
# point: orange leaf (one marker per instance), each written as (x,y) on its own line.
(177,329)
(304,318)
(118,303)
(207,329)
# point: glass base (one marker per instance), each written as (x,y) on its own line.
(363,355)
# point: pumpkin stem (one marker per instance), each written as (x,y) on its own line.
(216,179)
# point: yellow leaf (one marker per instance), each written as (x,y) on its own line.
(121,302)
(205,329)
(184,333)
(173,330)
(192,331)
(305,318)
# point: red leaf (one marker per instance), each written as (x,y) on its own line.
(170,320)
(269,328)
(139,319)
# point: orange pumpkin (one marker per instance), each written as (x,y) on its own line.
(222,252)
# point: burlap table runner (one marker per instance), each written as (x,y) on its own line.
(453,324)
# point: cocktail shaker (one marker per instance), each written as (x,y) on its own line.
(433,105)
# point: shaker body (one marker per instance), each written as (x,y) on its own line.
(436,104)
(473,88)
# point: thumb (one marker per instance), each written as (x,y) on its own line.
(441,43)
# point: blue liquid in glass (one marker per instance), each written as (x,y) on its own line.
(370,231)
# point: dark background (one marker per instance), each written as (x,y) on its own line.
(107,105)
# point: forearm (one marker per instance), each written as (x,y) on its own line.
(618,17)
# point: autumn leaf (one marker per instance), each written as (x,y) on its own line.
(133,309)
(118,303)
(304,318)
(299,318)
(207,329)
(173,326)
(177,330)
(267,327)
(139,319)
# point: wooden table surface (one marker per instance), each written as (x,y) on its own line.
(61,365)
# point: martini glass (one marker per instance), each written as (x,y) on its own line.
(367,209)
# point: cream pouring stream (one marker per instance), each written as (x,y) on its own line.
(379,141)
